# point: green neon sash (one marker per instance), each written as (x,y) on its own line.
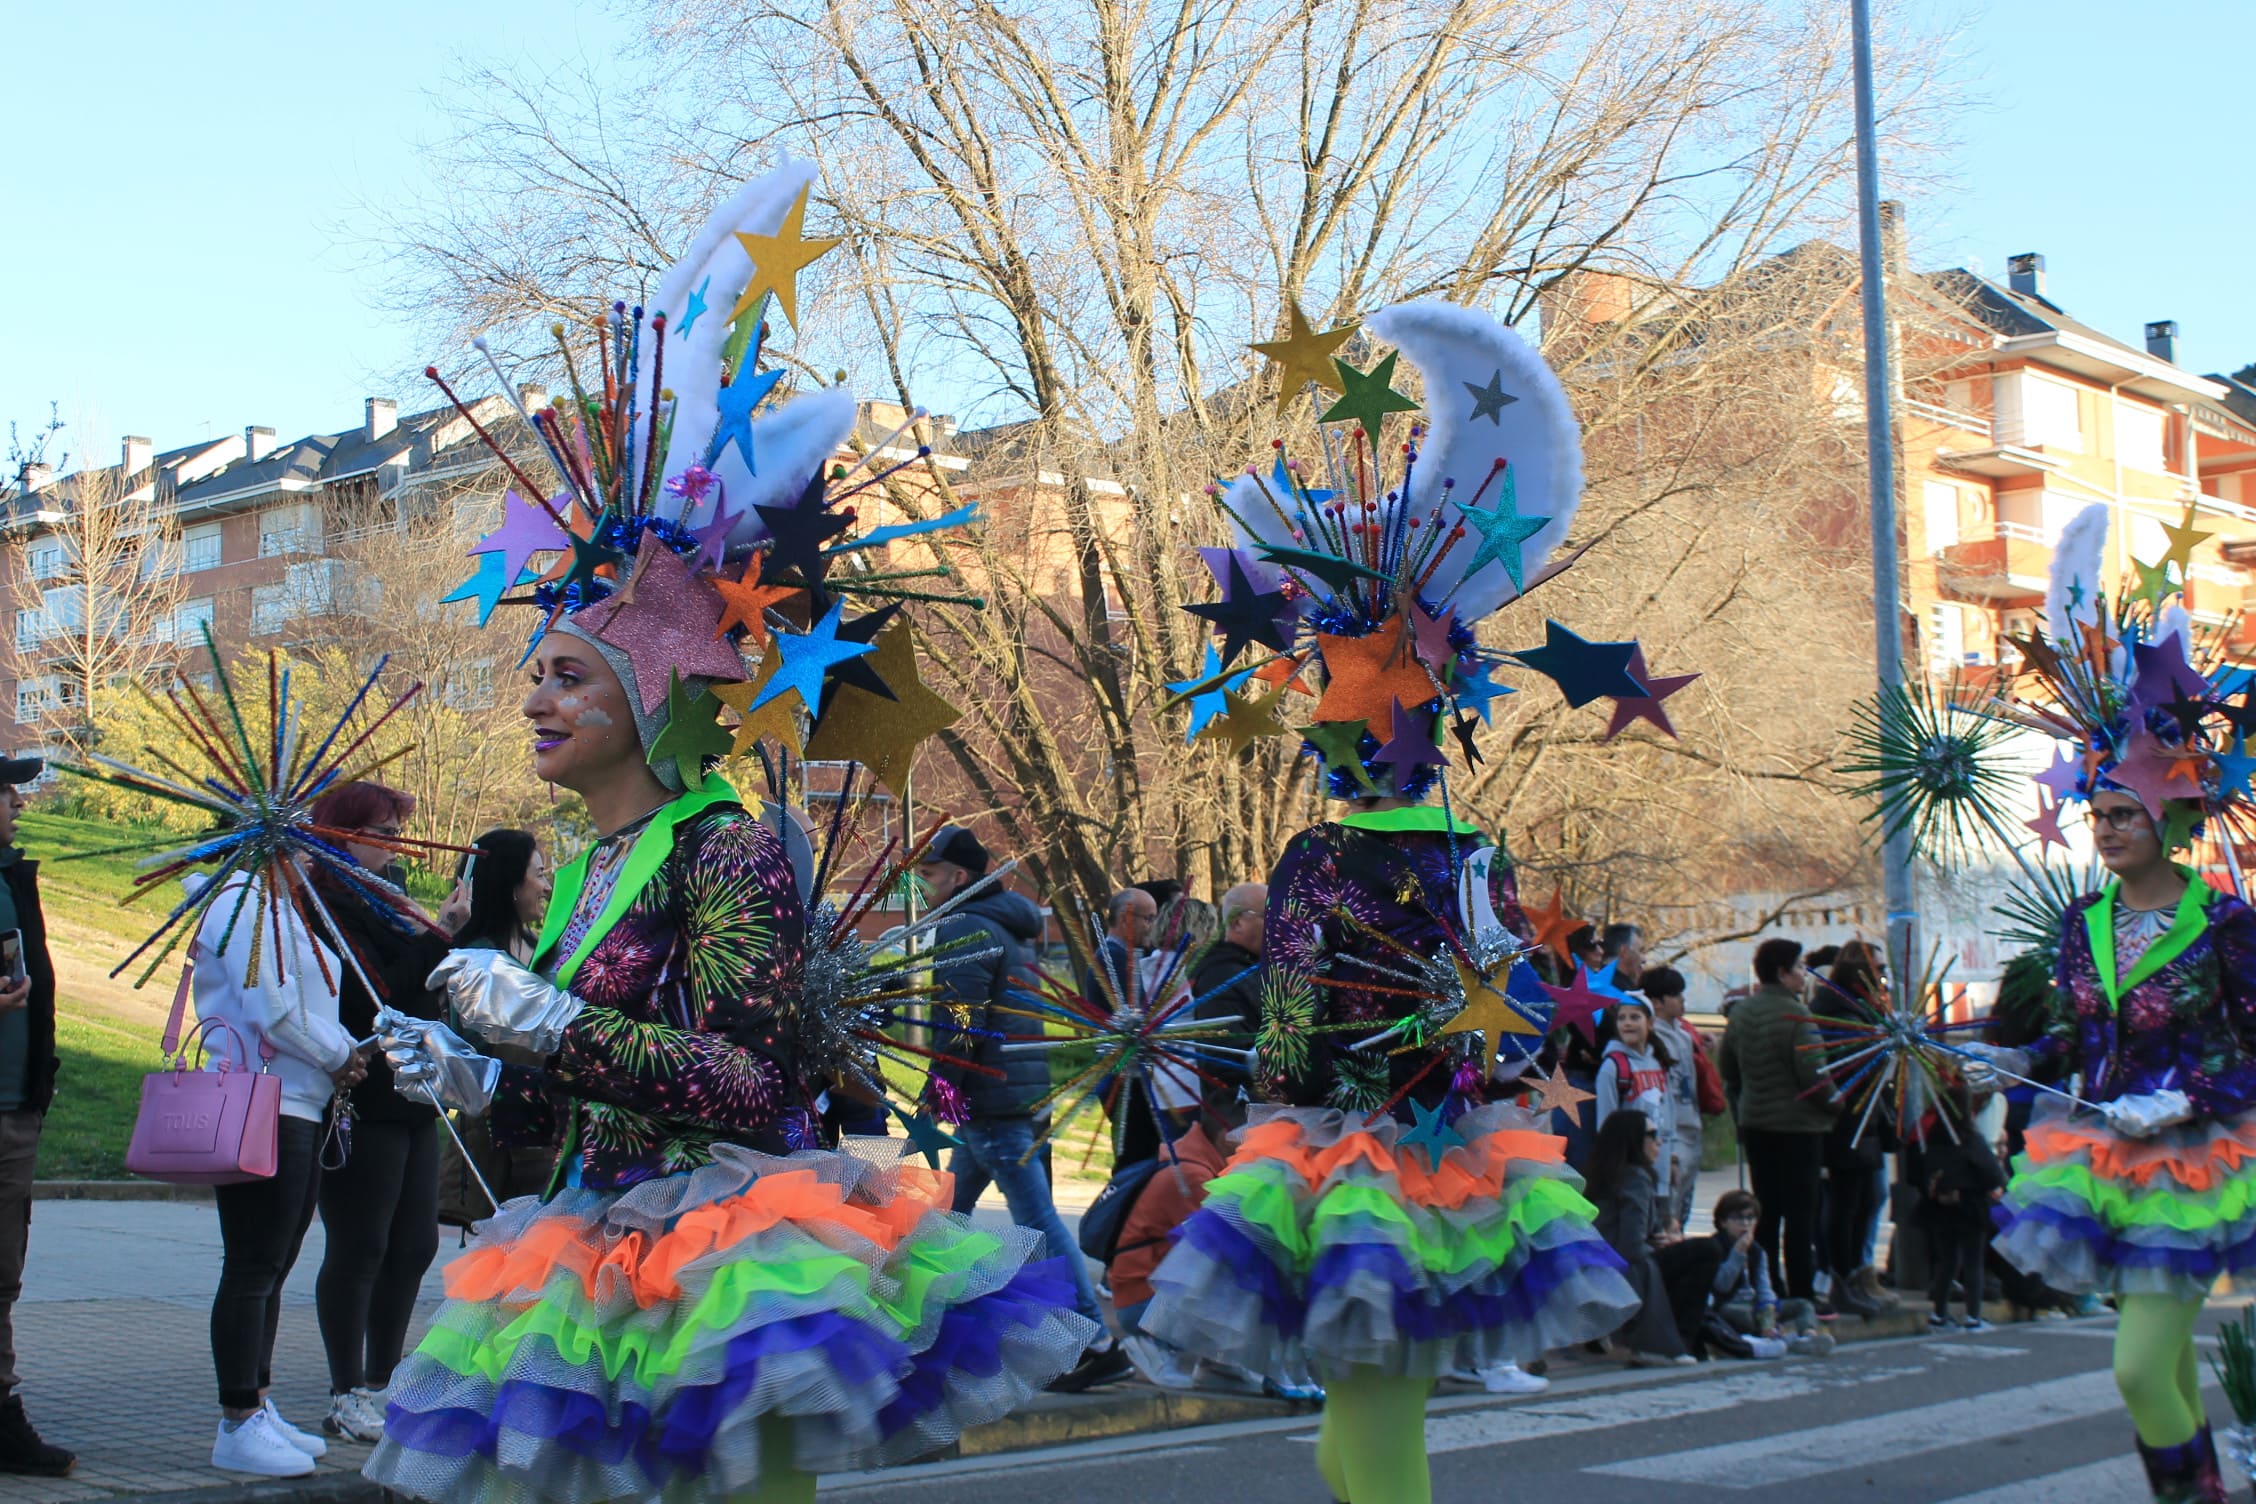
(1412,817)
(2185,928)
(644,858)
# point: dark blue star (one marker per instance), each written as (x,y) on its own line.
(1583,670)
(735,403)
(799,532)
(1489,401)
(1245,614)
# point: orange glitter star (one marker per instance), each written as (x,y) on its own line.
(1554,924)
(1366,675)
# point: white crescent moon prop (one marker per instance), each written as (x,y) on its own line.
(1474,900)
(1461,352)
(791,441)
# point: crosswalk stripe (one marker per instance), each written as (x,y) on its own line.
(1528,1422)
(1881,1438)
(2115,1478)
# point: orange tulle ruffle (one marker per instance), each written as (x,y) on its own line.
(2197,1167)
(650,1267)
(1476,1170)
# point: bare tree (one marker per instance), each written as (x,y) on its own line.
(97,595)
(1075,216)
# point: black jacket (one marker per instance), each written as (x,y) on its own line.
(397,963)
(1228,986)
(1008,924)
(40,1067)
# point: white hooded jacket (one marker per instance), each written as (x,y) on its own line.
(291,1007)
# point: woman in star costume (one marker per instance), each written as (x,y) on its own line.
(2146,1198)
(706,1304)
(1382,1219)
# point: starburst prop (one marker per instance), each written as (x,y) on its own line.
(258,781)
(2029,916)
(1940,771)
(1131,1035)
(1900,1054)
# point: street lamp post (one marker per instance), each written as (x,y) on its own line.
(1879,438)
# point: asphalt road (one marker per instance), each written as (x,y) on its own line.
(2021,1415)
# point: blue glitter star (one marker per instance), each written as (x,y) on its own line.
(696,306)
(807,657)
(735,403)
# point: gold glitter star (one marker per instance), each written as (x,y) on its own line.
(880,734)
(778,259)
(1486,1010)
(1304,355)
(778,719)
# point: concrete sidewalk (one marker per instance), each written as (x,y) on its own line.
(116,1359)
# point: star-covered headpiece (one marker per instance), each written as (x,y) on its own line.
(1375,563)
(694,517)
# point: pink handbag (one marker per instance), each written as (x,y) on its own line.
(206,1127)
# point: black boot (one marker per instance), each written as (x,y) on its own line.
(2186,1473)
(21,1450)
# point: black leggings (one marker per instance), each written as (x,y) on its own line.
(1852,1195)
(1788,1172)
(381,1215)
(1955,1246)
(261,1225)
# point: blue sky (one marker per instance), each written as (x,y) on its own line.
(175,268)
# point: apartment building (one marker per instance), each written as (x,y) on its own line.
(2031,416)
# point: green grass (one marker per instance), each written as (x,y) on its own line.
(96,1095)
(96,887)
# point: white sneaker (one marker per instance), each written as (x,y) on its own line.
(1227,1377)
(1810,1344)
(355,1415)
(1767,1347)
(1159,1365)
(255,1447)
(1501,1378)
(304,1441)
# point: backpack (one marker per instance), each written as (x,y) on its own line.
(1709,1081)
(1101,1224)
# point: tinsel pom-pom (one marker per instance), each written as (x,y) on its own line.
(1466,1080)
(946,1101)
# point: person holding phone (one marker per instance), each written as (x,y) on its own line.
(380,1204)
(27,1083)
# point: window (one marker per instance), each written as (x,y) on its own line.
(2051,414)
(270,609)
(200,547)
(1946,637)
(185,623)
(1942,515)
(34,697)
(470,687)
(43,558)
(292,527)
(32,627)
(2138,437)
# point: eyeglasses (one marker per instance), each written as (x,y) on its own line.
(2127,818)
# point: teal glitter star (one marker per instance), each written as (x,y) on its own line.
(926,1137)
(1433,1133)
(589,554)
(486,585)
(693,733)
(734,403)
(1504,533)
(1367,397)
(807,657)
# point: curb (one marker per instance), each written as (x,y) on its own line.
(118,1190)
(1049,1422)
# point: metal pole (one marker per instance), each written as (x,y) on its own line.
(1879,438)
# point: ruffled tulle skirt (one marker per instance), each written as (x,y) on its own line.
(646,1344)
(1328,1242)
(2091,1210)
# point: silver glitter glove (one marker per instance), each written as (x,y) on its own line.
(1983,1062)
(432,1063)
(502,1002)
(2148,1113)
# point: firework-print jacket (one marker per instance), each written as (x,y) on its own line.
(684,1041)
(2189,1024)
(1400,884)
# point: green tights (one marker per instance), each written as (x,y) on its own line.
(2155,1367)
(780,1483)
(1372,1446)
